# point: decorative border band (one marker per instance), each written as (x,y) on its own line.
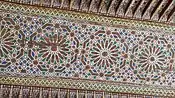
(128,23)
(86,85)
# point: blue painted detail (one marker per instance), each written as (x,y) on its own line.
(94,70)
(33,54)
(19,35)
(35,38)
(4,62)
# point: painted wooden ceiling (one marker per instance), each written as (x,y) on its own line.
(151,10)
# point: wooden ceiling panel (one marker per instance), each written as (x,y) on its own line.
(75,4)
(36,2)
(95,5)
(85,4)
(172,18)
(24,1)
(152,10)
(47,3)
(155,15)
(122,7)
(132,7)
(146,14)
(164,15)
(65,4)
(142,7)
(114,7)
(171,14)
(56,3)
(104,6)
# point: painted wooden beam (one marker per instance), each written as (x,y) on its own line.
(147,11)
(120,11)
(155,11)
(113,7)
(130,10)
(163,17)
(155,15)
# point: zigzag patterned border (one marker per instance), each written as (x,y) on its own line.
(85,84)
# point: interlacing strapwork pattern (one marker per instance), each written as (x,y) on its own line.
(52,47)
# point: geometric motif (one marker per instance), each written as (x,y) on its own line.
(47,46)
(6,41)
(60,48)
